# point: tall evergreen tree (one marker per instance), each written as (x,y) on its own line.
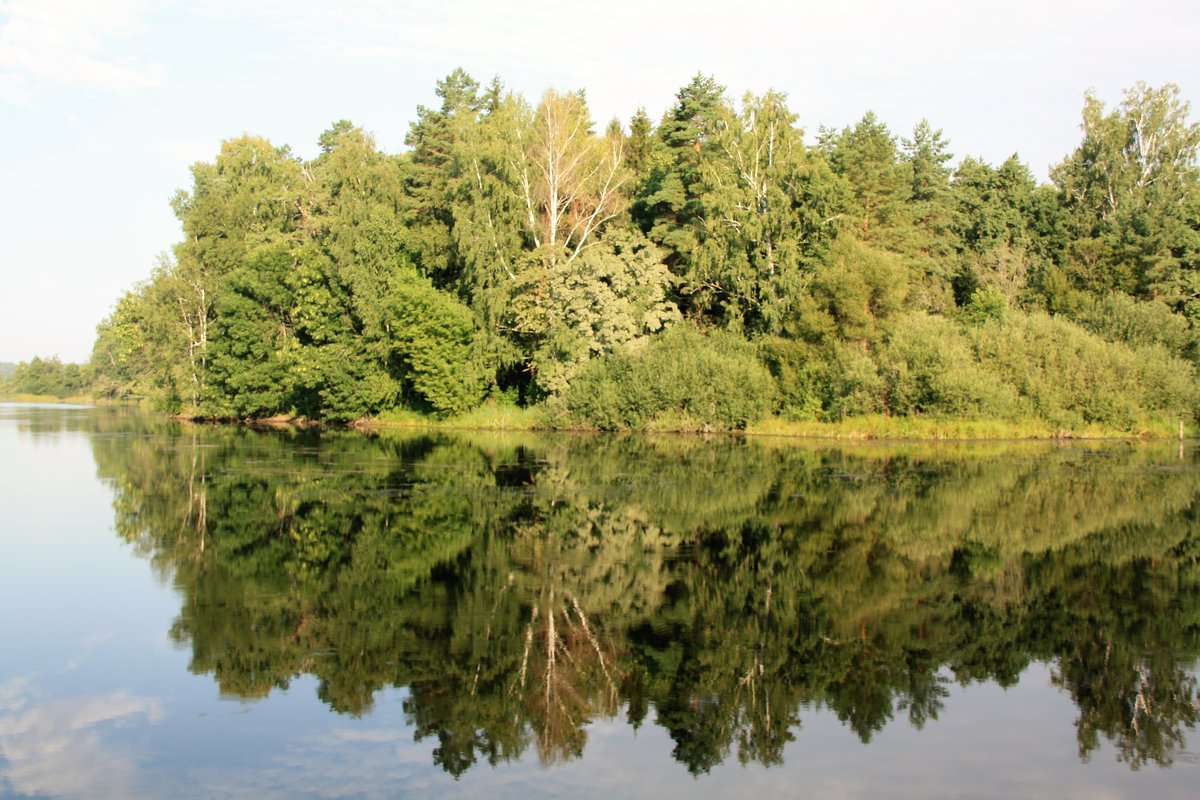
(640,146)
(432,177)
(881,184)
(666,206)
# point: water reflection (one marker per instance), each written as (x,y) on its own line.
(524,587)
(64,747)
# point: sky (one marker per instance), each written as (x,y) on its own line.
(105,104)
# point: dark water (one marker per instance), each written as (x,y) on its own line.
(211,612)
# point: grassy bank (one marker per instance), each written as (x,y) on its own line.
(85,400)
(488,417)
(507,418)
(877,426)
(495,417)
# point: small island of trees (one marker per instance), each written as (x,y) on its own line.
(709,271)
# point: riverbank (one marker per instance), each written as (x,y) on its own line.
(878,426)
(881,427)
(77,400)
(503,417)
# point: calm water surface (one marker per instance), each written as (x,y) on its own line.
(211,612)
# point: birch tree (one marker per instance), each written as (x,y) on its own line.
(569,180)
(550,279)
(1130,189)
(248,198)
(768,208)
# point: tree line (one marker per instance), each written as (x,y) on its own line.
(44,377)
(712,267)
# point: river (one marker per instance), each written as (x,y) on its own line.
(208,611)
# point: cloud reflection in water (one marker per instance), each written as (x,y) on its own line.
(61,747)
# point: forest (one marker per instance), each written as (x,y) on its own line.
(709,270)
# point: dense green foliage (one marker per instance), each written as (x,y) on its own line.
(711,382)
(45,377)
(515,253)
(523,587)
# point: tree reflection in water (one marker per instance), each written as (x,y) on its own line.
(522,587)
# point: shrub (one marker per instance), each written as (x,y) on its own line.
(1117,317)
(855,385)
(987,302)
(801,376)
(929,367)
(855,292)
(1070,376)
(716,381)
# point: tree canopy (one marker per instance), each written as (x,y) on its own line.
(518,248)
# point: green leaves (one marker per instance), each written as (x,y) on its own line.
(46,377)
(858,288)
(516,248)
(254,333)
(666,204)
(708,383)
(866,157)
(767,210)
(611,296)
(1130,189)
(432,338)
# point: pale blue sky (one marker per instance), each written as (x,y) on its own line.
(105,103)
